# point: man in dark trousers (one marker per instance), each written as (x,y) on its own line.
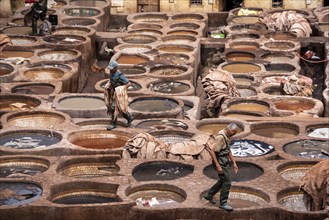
(219,149)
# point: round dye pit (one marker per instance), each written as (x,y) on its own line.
(279,68)
(171,137)
(244,36)
(139,39)
(188,26)
(132,59)
(294,200)
(6,69)
(22,167)
(18,102)
(318,131)
(132,70)
(157,17)
(187,17)
(241,114)
(87,3)
(214,128)
(44,73)
(281,35)
(277,56)
(183,32)
(167,70)
(280,45)
(34,88)
(22,30)
(273,90)
(164,195)
(247,171)
(246,27)
(243,80)
(241,68)
(78,21)
(172,58)
(64,39)
(81,12)
(247,91)
(97,124)
(134,48)
(57,55)
(161,171)
(165,124)
(74,30)
(294,171)
(240,56)
(156,104)
(250,148)
(139,26)
(35,119)
(294,104)
(21,41)
(10,53)
(250,106)
(29,139)
(179,39)
(146,32)
(243,197)
(82,102)
(175,48)
(18,193)
(88,168)
(246,20)
(244,46)
(275,130)
(169,87)
(99,139)
(308,149)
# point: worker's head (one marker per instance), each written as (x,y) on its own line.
(231,129)
(113,66)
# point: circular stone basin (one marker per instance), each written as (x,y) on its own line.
(88,167)
(241,68)
(240,56)
(132,70)
(58,55)
(64,39)
(74,30)
(29,139)
(245,20)
(249,105)
(280,45)
(243,80)
(250,148)
(19,193)
(132,59)
(275,130)
(164,195)
(161,170)
(139,39)
(171,137)
(247,171)
(169,124)
(88,3)
(179,39)
(150,18)
(243,197)
(22,30)
(246,27)
(9,53)
(98,139)
(189,26)
(146,32)
(294,171)
(169,87)
(35,119)
(183,32)
(294,104)
(318,131)
(97,124)
(81,102)
(175,48)
(279,68)
(133,87)
(280,35)
(273,90)
(214,128)
(277,56)
(79,21)
(17,102)
(295,200)
(187,17)
(6,69)
(81,12)
(44,73)
(244,46)
(307,149)
(34,88)
(247,91)
(22,167)
(168,70)
(145,26)
(156,104)
(241,114)
(84,193)
(245,36)
(172,58)
(20,40)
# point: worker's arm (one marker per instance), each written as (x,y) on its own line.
(235,166)
(213,157)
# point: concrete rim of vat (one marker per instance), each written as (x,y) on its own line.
(120,48)
(260,125)
(129,39)
(189,91)
(292,46)
(244,125)
(147,26)
(36,101)
(294,166)
(62,190)
(187,32)
(8,120)
(147,17)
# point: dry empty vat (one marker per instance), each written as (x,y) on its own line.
(89,167)
(19,192)
(161,171)
(277,56)
(81,192)
(138,39)
(250,148)
(247,171)
(99,139)
(12,102)
(162,124)
(29,139)
(166,195)
(22,166)
(308,149)
(294,200)
(294,171)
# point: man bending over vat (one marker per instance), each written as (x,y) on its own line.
(116,95)
(219,149)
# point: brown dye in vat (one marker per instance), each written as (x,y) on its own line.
(245,47)
(5,71)
(34,89)
(100,143)
(213,128)
(245,20)
(241,68)
(44,74)
(293,105)
(252,107)
(18,30)
(82,103)
(25,54)
(13,105)
(127,59)
(276,132)
(153,105)
(175,49)
(240,56)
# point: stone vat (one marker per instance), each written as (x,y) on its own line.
(275,130)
